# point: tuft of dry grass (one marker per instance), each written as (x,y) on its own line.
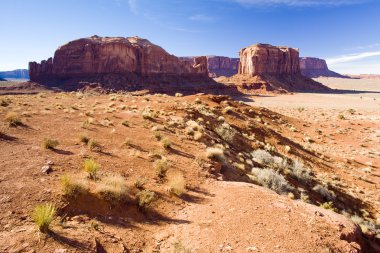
(50,143)
(84,139)
(43,215)
(113,189)
(145,198)
(13,119)
(94,145)
(91,167)
(166,143)
(215,153)
(176,183)
(72,188)
(161,167)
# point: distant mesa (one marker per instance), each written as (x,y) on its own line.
(271,68)
(314,67)
(219,65)
(15,74)
(118,63)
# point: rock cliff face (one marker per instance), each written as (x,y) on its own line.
(222,66)
(314,67)
(264,68)
(219,65)
(267,59)
(116,62)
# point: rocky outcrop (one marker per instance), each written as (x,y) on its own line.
(314,67)
(15,74)
(267,68)
(116,63)
(219,65)
(222,66)
(267,59)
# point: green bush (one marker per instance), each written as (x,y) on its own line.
(91,167)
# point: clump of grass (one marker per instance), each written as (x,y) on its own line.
(271,179)
(180,248)
(50,143)
(167,143)
(227,109)
(341,116)
(300,172)
(351,111)
(140,182)
(145,198)
(93,145)
(161,166)
(113,189)
(329,206)
(226,132)
(176,183)
(265,158)
(179,95)
(325,192)
(157,135)
(43,215)
(13,119)
(215,153)
(72,188)
(91,167)
(84,139)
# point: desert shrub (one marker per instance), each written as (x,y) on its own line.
(341,116)
(50,143)
(301,173)
(351,111)
(43,215)
(197,136)
(215,153)
(180,248)
(157,135)
(329,206)
(140,182)
(145,198)
(271,179)
(179,95)
(91,167)
(84,139)
(325,192)
(176,183)
(226,132)
(127,142)
(93,145)
(266,159)
(161,167)
(227,109)
(72,188)
(112,189)
(166,143)
(148,113)
(13,119)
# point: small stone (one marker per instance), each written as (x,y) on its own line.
(46,169)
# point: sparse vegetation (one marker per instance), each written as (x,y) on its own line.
(43,215)
(324,192)
(72,188)
(215,153)
(161,167)
(91,167)
(176,183)
(140,182)
(13,119)
(112,189)
(93,145)
(167,143)
(145,198)
(50,143)
(271,179)
(125,123)
(301,173)
(84,139)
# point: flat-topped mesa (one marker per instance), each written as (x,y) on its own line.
(315,67)
(264,59)
(116,61)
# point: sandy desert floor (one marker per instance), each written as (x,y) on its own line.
(347,125)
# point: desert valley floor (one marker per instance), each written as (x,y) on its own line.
(154,142)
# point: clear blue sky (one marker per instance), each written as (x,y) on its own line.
(346,32)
